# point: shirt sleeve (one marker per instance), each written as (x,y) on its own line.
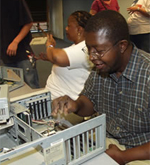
(76,56)
(95,6)
(24,13)
(117,6)
(89,88)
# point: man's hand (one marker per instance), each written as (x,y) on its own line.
(63,105)
(50,40)
(115,153)
(141,152)
(12,48)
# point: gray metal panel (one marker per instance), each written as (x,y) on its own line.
(74,145)
(12,74)
(60,144)
(39,104)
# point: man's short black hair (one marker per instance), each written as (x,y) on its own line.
(113,22)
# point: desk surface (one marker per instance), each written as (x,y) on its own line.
(101,159)
(25,89)
(33,157)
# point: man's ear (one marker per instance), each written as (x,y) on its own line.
(123,45)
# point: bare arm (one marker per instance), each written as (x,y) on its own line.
(139,9)
(82,106)
(12,48)
(54,55)
(93,12)
(122,157)
(58,57)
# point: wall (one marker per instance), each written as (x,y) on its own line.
(61,9)
(56,18)
(70,6)
(124,4)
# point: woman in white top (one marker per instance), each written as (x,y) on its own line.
(139,24)
(71,66)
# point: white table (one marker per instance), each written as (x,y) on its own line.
(32,157)
(102,159)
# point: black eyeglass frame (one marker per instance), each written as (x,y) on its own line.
(97,54)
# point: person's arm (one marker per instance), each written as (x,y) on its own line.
(12,48)
(139,9)
(94,8)
(137,153)
(57,56)
(54,55)
(82,106)
(93,12)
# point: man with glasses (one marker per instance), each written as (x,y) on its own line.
(118,86)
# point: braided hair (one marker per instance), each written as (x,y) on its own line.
(81,17)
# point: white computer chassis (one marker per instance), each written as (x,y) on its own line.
(74,145)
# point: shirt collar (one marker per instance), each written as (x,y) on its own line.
(132,69)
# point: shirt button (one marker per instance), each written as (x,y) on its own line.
(118,128)
(119,110)
(140,109)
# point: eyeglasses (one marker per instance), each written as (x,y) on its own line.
(98,53)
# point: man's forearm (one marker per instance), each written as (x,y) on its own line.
(24,31)
(138,153)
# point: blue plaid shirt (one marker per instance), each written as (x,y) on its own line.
(124,100)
